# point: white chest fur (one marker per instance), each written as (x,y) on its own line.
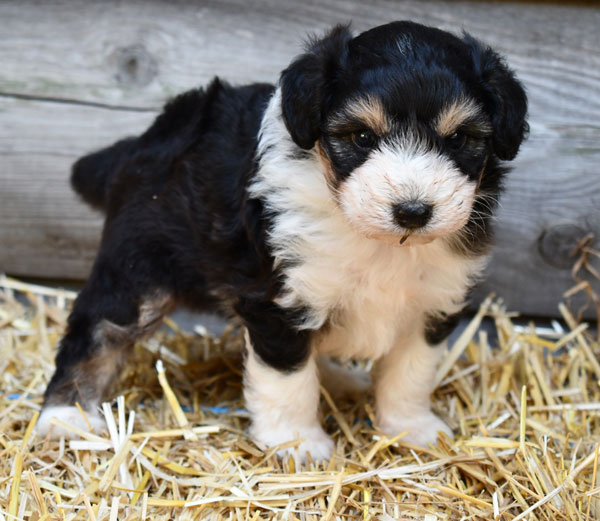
(368,294)
(361,292)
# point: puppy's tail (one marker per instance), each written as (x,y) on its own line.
(91,175)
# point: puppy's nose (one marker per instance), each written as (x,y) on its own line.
(412,214)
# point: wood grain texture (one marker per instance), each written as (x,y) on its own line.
(79,75)
(45,230)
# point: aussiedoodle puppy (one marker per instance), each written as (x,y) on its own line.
(343,212)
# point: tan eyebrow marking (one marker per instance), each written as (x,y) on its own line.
(368,110)
(455,114)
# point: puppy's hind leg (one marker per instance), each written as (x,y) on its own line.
(107,317)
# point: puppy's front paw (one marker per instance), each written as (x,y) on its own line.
(315,442)
(422,428)
(70,415)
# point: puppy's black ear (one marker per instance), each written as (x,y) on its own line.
(303,85)
(505,99)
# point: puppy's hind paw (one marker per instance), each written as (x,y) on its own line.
(69,415)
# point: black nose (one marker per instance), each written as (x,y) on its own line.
(412,214)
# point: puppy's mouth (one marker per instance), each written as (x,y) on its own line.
(410,238)
(412,218)
(407,238)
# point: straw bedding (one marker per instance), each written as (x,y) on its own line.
(523,400)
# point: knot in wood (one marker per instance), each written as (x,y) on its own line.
(558,244)
(136,67)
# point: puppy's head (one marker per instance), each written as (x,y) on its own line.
(410,123)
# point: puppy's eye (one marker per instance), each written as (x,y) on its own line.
(456,141)
(365,139)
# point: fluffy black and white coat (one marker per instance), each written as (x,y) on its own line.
(344,212)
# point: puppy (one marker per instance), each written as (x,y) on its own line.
(344,212)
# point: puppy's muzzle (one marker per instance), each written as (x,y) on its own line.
(412,215)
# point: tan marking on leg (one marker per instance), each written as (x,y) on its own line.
(100,371)
(152,310)
(88,381)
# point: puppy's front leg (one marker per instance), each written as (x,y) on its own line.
(404,382)
(281,387)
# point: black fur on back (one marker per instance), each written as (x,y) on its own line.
(91,175)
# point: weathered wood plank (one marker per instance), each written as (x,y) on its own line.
(45,231)
(138,53)
(135,54)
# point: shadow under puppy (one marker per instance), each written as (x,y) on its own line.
(344,212)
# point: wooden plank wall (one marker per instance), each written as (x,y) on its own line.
(78,75)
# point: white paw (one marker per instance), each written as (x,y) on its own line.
(422,427)
(315,442)
(70,415)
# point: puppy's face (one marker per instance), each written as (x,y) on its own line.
(405,174)
(406,119)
